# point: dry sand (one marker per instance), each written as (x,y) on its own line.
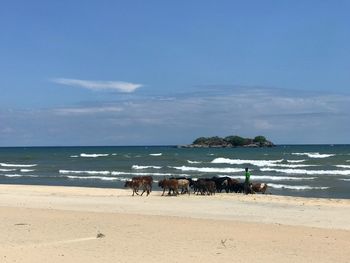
(69,224)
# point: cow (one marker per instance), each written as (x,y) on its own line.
(140,182)
(147,180)
(204,186)
(169,184)
(238,187)
(221,183)
(233,185)
(184,185)
(259,188)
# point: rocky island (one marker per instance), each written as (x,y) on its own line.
(229,142)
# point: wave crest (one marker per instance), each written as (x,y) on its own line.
(93,155)
(17,165)
(141,167)
(297,187)
(314,155)
(83,172)
(209,169)
(308,172)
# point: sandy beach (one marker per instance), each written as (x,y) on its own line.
(70,224)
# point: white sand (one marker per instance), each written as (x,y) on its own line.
(60,224)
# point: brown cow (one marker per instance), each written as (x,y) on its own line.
(259,188)
(170,184)
(147,180)
(140,182)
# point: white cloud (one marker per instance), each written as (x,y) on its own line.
(120,86)
(280,116)
(87,110)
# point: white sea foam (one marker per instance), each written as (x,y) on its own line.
(308,172)
(93,177)
(141,167)
(314,155)
(93,155)
(142,174)
(193,162)
(239,161)
(156,154)
(290,165)
(7,170)
(295,161)
(83,172)
(27,170)
(274,178)
(297,187)
(343,166)
(17,165)
(209,169)
(20,175)
(348,180)
(260,163)
(74,156)
(114,154)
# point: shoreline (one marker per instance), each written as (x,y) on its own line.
(313,212)
(78,224)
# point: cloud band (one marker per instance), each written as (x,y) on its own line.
(120,86)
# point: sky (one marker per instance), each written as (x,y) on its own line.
(161,72)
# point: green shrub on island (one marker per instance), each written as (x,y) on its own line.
(231,141)
(210,141)
(260,139)
(235,140)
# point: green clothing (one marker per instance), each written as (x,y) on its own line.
(247,177)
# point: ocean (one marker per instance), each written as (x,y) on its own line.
(292,170)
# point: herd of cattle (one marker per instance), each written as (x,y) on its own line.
(203,186)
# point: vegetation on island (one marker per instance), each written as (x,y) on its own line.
(231,141)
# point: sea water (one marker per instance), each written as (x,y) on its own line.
(294,170)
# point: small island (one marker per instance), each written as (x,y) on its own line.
(229,142)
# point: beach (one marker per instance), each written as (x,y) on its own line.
(77,224)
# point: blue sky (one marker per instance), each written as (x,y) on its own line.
(166,72)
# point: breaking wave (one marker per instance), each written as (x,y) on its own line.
(274,178)
(239,161)
(314,155)
(17,165)
(19,175)
(93,155)
(141,167)
(260,163)
(209,169)
(295,161)
(156,154)
(7,170)
(348,180)
(94,177)
(27,170)
(142,174)
(343,166)
(84,172)
(308,172)
(297,187)
(193,162)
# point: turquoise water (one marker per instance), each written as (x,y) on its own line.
(302,170)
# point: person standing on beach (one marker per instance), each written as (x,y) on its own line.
(247,181)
